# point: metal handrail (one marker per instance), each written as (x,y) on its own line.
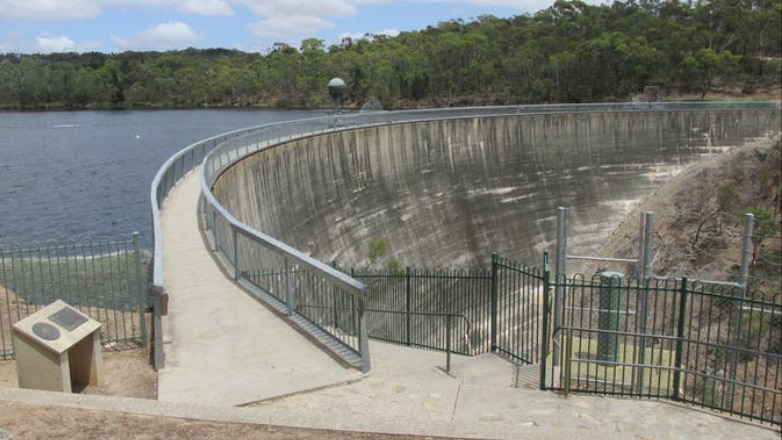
(448,326)
(222,151)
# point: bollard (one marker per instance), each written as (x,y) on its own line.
(609,320)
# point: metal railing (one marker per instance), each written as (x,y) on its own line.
(437,335)
(237,243)
(704,344)
(502,307)
(402,305)
(105,279)
(242,143)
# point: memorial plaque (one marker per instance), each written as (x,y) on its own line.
(68,318)
(46,331)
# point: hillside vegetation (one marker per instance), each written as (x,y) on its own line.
(700,220)
(569,52)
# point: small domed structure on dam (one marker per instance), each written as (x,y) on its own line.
(337,89)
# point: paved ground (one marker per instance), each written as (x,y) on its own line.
(406,393)
(224,350)
(221,346)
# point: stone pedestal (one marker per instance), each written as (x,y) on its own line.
(56,348)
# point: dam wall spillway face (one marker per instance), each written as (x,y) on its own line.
(448,193)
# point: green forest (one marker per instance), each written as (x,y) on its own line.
(570,52)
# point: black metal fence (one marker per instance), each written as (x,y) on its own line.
(411,307)
(498,309)
(706,344)
(105,279)
(518,320)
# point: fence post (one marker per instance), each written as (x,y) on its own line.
(363,337)
(214,229)
(407,304)
(677,372)
(142,301)
(746,255)
(289,289)
(643,305)
(235,237)
(545,334)
(494,288)
(448,343)
(335,298)
(353,323)
(559,294)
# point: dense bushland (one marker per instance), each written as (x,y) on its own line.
(570,52)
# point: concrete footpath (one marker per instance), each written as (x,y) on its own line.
(231,360)
(221,346)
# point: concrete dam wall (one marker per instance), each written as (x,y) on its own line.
(448,193)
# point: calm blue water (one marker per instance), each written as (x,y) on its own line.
(88,173)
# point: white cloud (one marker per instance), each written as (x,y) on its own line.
(47,44)
(206,7)
(306,8)
(164,36)
(43,10)
(522,5)
(289,27)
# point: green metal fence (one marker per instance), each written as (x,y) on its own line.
(105,279)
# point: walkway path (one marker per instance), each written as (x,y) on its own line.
(221,346)
(224,349)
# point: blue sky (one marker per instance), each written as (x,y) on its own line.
(46,26)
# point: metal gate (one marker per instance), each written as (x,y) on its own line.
(521,299)
(693,342)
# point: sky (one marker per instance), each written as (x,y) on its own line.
(113,26)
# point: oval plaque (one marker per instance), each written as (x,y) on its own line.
(46,331)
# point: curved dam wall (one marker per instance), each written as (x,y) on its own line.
(448,193)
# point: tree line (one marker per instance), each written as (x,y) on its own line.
(569,52)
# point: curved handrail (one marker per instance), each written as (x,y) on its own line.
(218,153)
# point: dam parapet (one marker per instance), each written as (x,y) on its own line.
(446,188)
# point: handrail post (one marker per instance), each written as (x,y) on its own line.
(214,230)
(234,234)
(335,299)
(142,302)
(289,300)
(363,337)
